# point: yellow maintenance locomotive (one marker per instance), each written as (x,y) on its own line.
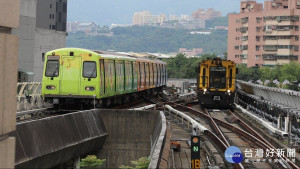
(216,83)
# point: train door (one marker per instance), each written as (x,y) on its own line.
(146,76)
(143,76)
(231,79)
(159,74)
(134,79)
(102,77)
(154,75)
(70,73)
(203,77)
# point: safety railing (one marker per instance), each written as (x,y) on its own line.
(29,96)
(185,119)
(151,106)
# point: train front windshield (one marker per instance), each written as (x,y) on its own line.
(52,68)
(217,77)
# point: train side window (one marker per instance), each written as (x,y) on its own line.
(204,77)
(230,78)
(89,69)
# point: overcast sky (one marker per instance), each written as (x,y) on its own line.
(106,12)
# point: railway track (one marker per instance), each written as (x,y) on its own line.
(236,132)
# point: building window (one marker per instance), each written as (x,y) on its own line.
(64,26)
(296,28)
(237,21)
(49,26)
(53,27)
(237,38)
(258,19)
(43,57)
(256,57)
(50,5)
(64,7)
(244,20)
(59,17)
(296,47)
(236,47)
(257,38)
(257,47)
(258,29)
(50,17)
(296,37)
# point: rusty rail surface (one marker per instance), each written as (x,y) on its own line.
(245,134)
(257,135)
(216,127)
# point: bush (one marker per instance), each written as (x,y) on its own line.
(141,163)
(91,161)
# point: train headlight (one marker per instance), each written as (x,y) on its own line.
(205,90)
(89,88)
(50,87)
(228,91)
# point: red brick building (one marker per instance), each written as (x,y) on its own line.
(265,36)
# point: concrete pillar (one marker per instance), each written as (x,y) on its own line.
(279,124)
(9,18)
(286,124)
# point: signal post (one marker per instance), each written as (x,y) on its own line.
(195,152)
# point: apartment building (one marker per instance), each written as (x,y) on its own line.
(265,35)
(146,18)
(205,15)
(192,52)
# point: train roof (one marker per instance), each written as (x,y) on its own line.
(110,56)
(107,54)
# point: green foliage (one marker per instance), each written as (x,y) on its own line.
(218,21)
(290,72)
(91,161)
(151,39)
(247,73)
(141,163)
(182,67)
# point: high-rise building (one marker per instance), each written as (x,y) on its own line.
(146,18)
(266,36)
(9,19)
(205,15)
(42,28)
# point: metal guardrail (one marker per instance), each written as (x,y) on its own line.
(34,89)
(190,122)
(151,106)
(264,123)
(29,96)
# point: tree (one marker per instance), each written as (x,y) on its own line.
(141,163)
(91,161)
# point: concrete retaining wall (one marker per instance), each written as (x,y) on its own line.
(50,141)
(131,136)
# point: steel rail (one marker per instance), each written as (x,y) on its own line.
(243,133)
(196,125)
(216,127)
(257,135)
